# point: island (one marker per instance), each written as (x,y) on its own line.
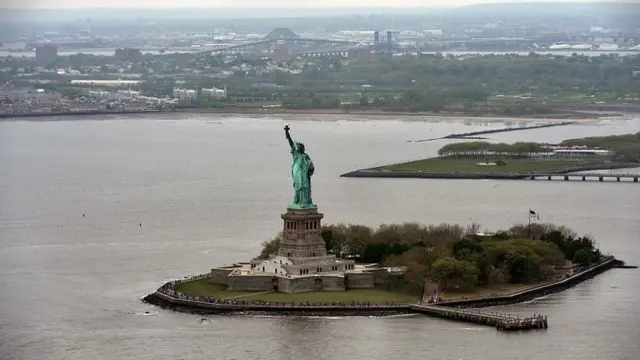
(521,160)
(438,270)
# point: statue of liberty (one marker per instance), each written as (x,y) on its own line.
(301,171)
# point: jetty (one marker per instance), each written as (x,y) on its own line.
(500,321)
(473,135)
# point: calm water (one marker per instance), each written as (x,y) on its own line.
(208,190)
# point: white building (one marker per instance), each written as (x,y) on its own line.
(433,32)
(128,93)
(272,266)
(184,94)
(214,93)
(114,83)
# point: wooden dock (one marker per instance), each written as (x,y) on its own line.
(500,321)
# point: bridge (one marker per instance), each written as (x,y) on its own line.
(586,176)
(284,38)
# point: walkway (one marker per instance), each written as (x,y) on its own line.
(498,320)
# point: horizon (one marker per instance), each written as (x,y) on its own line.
(373,5)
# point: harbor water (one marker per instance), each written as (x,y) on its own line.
(96,213)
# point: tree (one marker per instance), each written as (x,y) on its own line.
(583,256)
(334,238)
(270,247)
(454,274)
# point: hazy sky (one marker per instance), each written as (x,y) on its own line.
(60,4)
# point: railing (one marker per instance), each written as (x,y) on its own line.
(499,320)
(168,293)
(260,305)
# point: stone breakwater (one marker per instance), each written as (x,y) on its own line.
(537,291)
(169,298)
(473,135)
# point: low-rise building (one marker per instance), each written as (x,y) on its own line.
(46,53)
(214,93)
(128,54)
(184,94)
(112,83)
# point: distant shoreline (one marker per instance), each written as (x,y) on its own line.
(559,116)
(563,116)
(377,172)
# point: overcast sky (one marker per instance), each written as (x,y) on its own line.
(61,4)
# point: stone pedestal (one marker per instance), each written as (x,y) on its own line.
(301,238)
(301,263)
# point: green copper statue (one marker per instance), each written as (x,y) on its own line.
(301,171)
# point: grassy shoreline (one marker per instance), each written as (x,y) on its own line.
(202,287)
(444,164)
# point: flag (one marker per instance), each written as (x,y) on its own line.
(533,214)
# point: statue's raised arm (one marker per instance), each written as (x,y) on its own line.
(286,131)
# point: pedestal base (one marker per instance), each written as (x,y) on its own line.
(302,207)
(301,234)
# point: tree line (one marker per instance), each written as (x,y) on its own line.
(625,147)
(482,147)
(459,258)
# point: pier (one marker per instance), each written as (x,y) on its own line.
(500,321)
(586,176)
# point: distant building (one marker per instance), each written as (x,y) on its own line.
(214,93)
(281,54)
(128,54)
(361,54)
(186,95)
(111,83)
(46,53)
(434,32)
(635,73)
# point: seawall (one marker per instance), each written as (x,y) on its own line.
(536,292)
(207,308)
(195,305)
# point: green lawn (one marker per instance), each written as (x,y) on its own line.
(450,165)
(204,288)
